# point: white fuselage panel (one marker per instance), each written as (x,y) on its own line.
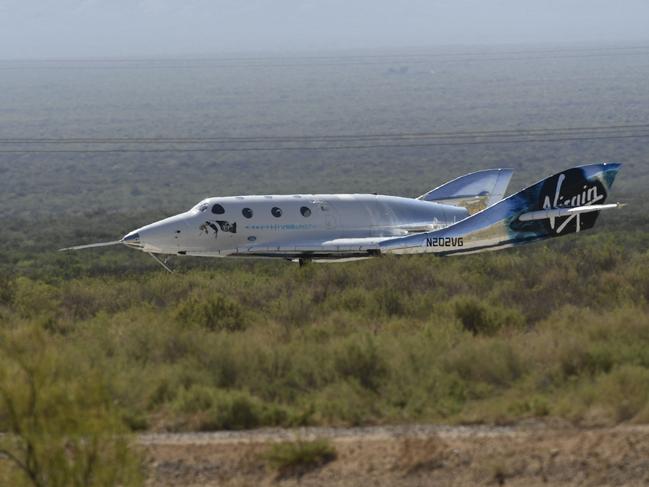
(231,225)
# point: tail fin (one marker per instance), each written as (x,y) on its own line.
(475,191)
(579,189)
(568,202)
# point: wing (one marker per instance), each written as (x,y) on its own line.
(341,248)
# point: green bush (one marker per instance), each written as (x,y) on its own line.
(345,403)
(7,289)
(359,358)
(294,309)
(486,361)
(210,409)
(481,318)
(59,423)
(295,458)
(625,390)
(214,313)
(352,299)
(36,298)
(389,301)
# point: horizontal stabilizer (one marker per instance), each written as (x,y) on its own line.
(559,212)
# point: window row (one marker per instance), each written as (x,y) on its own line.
(247,212)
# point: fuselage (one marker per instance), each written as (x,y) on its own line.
(236,225)
(466,215)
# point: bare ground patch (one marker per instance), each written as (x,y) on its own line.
(414,455)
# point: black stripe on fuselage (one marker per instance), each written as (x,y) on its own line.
(307,255)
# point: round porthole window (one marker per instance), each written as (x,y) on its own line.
(276,212)
(218,209)
(306,211)
(247,212)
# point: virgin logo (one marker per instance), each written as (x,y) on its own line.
(588,196)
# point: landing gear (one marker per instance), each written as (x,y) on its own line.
(303,262)
(163,263)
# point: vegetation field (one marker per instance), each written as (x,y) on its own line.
(103,343)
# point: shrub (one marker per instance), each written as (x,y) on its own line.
(534,406)
(295,309)
(214,313)
(625,390)
(345,403)
(390,301)
(36,298)
(359,358)
(295,458)
(61,427)
(485,361)
(353,299)
(210,409)
(481,318)
(7,289)
(621,395)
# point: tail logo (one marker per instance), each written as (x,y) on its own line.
(589,195)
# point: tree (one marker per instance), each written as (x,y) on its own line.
(61,428)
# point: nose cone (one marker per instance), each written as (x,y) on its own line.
(132,240)
(159,237)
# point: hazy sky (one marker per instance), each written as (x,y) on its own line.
(117,28)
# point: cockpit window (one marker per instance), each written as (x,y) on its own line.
(276,212)
(200,206)
(218,209)
(247,212)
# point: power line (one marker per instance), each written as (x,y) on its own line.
(540,132)
(325,148)
(423,52)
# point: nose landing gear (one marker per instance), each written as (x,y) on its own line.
(161,262)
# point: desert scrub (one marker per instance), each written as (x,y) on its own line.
(209,409)
(213,313)
(246,345)
(359,358)
(61,427)
(482,318)
(295,458)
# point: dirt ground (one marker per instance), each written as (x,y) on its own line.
(415,455)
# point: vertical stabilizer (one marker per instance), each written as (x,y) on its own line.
(475,191)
